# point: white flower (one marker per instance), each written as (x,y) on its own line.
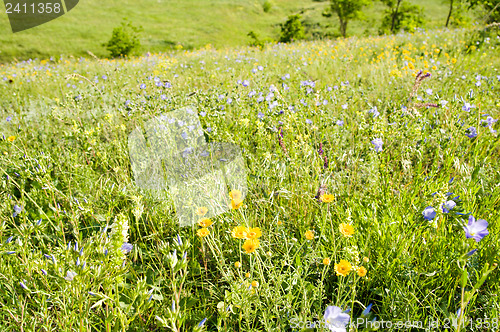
(70,275)
(335,319)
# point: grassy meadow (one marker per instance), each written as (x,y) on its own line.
(362,174)
(189,24)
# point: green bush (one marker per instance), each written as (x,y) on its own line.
(124,40)
(292,29)
(266,6)
(407,18)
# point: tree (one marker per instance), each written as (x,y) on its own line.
(492,8)
(347,10)
(449,13)
(292,29)
(393,9)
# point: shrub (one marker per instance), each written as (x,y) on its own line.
(407,18)
(292,29)
(124,40)
(266,6)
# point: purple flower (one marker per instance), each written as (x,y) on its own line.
(8,119)
(472,132)
(260,115)
(335,319)
(344,106)
(467,107)
(429,213)
(142,86)
(245,83)
(374,111)
(309,121)
(476,229)
(23,285)
(127,247)
(17,210)
(339,123)
(472,252)
(377,142)
(448,206)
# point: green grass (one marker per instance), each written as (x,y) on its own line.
(64,160)
(190,23)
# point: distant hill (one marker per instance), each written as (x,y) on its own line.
(190,23)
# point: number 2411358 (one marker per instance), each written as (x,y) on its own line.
(33,8)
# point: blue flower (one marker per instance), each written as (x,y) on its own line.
(377,142)
(374,112)
(245,83)
(127,247)
(335,319)
(260,115)
(17,210)
(339,123)
(472,132)
(429,213)
(142,86)
(476,229)
(202,322)
(366,312)
(448,206)
(308,121)
(467,107)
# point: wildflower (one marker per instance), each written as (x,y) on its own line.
(366,259)
(429,92)
(127,247)
(70,275)
(235,194)
(326,261)
(202,322)
(374,111)
(343,268)
(254,233)
(361,271)
(377,142)
(11,138)
(309,235)
(247,275)
(366,312)
(250,245)
(236,204)
(205,222)
(467,106)
(308,121)
(476,229)
(339,123)
(472,132)
(346,229)
(143,86)
(335,319)
(17,210)
(327,198)
(23,285)
(202,232)
(429,213)
(201,211)
(237,265)
(470,253)
(255,284)
(448,206)
(239,232)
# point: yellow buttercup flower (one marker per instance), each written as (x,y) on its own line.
(326,261)
(205,222)
(309,235)
(361,271)
(202,232)
(250,245)
(255,284)
(235,194)
(343,268)
(346,229)
(254,233)
(239,232)
(237,265)
(201,211)
(11,138)
(327,198)
(236,204)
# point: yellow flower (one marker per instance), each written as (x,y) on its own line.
(343,268)
(327,198)
(362,271)
(236,204)
(250,245)
(309,235)
(235,194)
(255,284)
(11,138)
(280,222)
(201,211)
(247,275)
(346,229)
(254,233)
(205,222)
(365,259)
(202,232)
(453,60)
(237,265)
(326,261)
(239,232)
